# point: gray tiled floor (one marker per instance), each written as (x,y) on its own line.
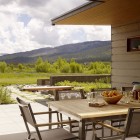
(11,123)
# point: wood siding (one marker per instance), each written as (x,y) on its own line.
(125,65)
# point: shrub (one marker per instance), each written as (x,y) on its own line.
(87,86)
(20,66)
(99,68)
(75,67)
(3,66)
(65,68)
(5,96)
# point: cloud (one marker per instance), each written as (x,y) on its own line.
(5,2)
(33,3)
(26,25)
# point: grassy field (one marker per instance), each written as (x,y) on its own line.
(21,78)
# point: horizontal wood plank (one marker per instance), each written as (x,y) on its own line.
(119,50)
(126,28)
(126,72)
(119,43)
(126,58)
(126,65)
(125,35)
(124,79)
(123,50)
(119,85)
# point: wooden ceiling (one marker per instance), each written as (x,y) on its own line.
(109,12)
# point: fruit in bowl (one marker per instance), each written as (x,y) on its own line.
(112,97)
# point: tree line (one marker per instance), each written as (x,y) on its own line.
(61,65)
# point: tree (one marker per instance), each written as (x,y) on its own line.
(3,66)
(60,62)
(20,66)
(39,65)
(39,61)
(75,67)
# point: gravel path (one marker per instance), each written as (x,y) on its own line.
(28,96)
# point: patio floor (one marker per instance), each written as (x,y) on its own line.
(11,122)
(12,126)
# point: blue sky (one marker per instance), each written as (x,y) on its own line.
(26,25)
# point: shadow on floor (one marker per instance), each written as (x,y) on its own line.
(23,136)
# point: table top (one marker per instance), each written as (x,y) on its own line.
(37,88)
(79,109)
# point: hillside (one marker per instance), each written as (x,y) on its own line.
(81,52)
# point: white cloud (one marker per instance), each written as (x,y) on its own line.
(26,25)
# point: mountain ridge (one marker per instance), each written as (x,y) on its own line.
(81,52)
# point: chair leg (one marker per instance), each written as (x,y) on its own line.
(38,133)
(61,119)
(111,133)
(58,120)
(102,131)
(28,131)
(94,137)
(70,125)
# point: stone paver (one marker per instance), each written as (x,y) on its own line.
(28,96)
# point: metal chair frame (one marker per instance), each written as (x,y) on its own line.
(29,118)
(75,125)
(120,122)
(129,126)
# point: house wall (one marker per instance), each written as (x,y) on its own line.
(125,65)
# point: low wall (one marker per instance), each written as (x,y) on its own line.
(77,78)
(41,82)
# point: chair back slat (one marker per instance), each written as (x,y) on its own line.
(70,95)
(126,88)
(133,122)
(26,112)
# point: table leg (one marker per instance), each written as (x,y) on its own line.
(82,135)
(56,96)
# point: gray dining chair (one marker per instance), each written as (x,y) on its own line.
(126,88)
(120,122)
(114,122)
(52,134)
(74,95)
(131,128)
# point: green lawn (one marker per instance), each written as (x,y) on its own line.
(25,77)
(21,78)
(31,78)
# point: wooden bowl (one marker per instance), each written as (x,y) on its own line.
(112,100)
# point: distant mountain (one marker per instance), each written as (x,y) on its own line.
(81,52)
(1,54)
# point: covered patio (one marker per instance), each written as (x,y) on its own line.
(124,18)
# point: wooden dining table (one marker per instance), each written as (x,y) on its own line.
(46,88)
(80,111)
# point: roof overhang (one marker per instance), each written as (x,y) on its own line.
(107,12)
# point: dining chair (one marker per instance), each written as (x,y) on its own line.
(74,95)
(113,122)
(131,128)
(126,88)
(122,120)
(52,134)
